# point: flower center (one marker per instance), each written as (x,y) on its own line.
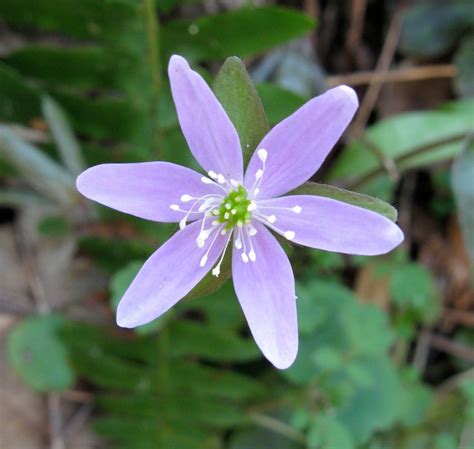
(235,209)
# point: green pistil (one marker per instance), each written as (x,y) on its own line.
(234,209)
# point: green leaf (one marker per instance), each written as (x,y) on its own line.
(463,186)
(432,28)
(278,102)
(210,343)
(44,174)
(212,283)
(464,61)
(346,196)
(375,407)
(411,139)
(244,32)
(413,289)
(39,356)
(236,92)
(63,135)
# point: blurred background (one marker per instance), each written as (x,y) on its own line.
(386,357)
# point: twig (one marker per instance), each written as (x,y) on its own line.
(456,349)
(453,382)
(402,75)
(277,426)
(414,152)
(463,317)
(422,351)
(383,64)
(354,34)
(388,164)
(55,421)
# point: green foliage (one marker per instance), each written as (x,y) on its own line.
(120,55)
(410,139)
(39,356)
(432,28)
(356,199)
(343,354)
(244,32)
(462,176)
(236,92)
(278,102)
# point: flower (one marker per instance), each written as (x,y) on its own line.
(231,208)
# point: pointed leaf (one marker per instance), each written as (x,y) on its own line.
(238,96)
(63,135)
(346,196)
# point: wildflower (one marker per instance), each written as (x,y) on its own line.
(231,208)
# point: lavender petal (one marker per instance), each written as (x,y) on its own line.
(266,292)
(298,145)
(332,225)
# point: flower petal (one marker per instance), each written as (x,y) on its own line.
(298,145)
(332,225)
(167,276)
(266,292)
(145,189)
(210,134)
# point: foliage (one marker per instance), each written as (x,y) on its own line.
(194,377)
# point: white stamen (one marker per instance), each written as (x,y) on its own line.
(271,219)
(207,180)
(203,260)
(262,154)
(252,231)
(182,223)
(212,174)
(220,179)
(244,257)
(200,241)
(259,174)
(290,235)
(174,207)
(256,191)
(217,269)
(186,198)
(297,209)
(252,255)
(238,243)
(234,183)
(224,232)
(252,206)
(226,216)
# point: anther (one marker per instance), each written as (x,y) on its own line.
(252,206)
(220,179)
(174,207)
(207,180)
(212,174)
(262,154)
(216,271)
(252,256)
(297,209)
(238,243)
(290,235)
(244,257)
(182,223)
(271,219)
(186,198)
(259,173)
(203,260)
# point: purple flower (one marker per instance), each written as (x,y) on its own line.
(229,208)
